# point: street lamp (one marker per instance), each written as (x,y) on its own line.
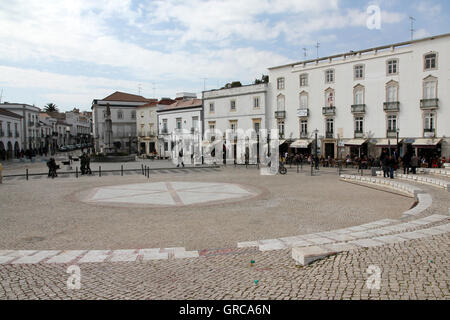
(398,147)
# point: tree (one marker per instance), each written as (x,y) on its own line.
(51,107)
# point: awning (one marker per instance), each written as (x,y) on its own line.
(355,142)
(426,143)
(301,144)
(384,143)
(282,141)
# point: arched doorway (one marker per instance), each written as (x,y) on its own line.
(16,150)
(9,152)
(2,151)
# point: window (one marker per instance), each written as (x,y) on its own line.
(430,88)
(392,91)
(212,125)
(119,114)
(392,67)
(358,95)
(430,122)
(257,126)
(280,83)
(303,128)
(133,114)
(166,146)
(211,108)
(329,98)
(233,105)
(281,128)
(280,102)
(142,114)
(392,123)
(430,61)
(256,102)
(329,76)
(359,124)
(233,125)
(330,125)
(359,72)
(195,123)
(179,123)
(303,100)
(304,80)
(165,125)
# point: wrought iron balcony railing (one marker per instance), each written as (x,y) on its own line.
(329,111)
(429,104)
(280,114)
(358,108)
(391,106)
(329,135)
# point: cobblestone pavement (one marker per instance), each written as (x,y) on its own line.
(417,269)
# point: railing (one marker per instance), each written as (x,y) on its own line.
(30,123)
(427,104)
(429,133)
(303,112)
(17,134)
(280,114)
(391,106)
(359,134)
(329,135)
(329,111)
(358,108)
(303,135)
(10,134)
(2,133)
(164,131)
(391,133)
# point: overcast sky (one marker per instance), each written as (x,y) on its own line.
(70,52)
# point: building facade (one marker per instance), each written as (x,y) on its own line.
(234,110)
(10,134)
(123,113)
(147,128)
(80,131)
(182,117)
(362,101)
(30,123)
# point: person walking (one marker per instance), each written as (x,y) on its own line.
(391,165)
(406,162)
(180,159)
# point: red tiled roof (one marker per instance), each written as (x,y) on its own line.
(151,104)
(9,114)
(166,102)
(122,96)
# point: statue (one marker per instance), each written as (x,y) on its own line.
(108,147)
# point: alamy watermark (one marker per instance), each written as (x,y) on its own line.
(74,280)
(373,282)
(373,21)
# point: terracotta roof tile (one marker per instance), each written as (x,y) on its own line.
(122,96)
(184,104)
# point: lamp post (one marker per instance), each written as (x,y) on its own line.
(398,148)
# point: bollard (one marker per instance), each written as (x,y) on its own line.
(142,167)
(297,167)
(76,172)
(27,174)
(100,171)
(121,170)
(312,168)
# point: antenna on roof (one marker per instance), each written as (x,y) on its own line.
(305,52)
(412,27)
(1,96)
(139,88)
(317,48)
(204,83)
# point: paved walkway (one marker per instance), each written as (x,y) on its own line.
(410,269)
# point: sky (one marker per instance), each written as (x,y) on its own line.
(69,52)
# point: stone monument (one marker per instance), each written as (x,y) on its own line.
(108,148)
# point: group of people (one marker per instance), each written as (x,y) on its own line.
(85,161)
(52,167)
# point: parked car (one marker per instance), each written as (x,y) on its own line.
(63,149)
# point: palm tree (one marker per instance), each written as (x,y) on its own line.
(51,107)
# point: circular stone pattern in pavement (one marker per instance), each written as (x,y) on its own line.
(168,193)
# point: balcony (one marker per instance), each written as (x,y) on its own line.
(359,134)
(358,108)
(164,131)
(329,111)
(2,133)
(17,134)
(303,135)
(31,123)
(429,104)
(280,114)
(391,133)
(391,106)
(329,135)
(10,134)
(303,112)
(429,133)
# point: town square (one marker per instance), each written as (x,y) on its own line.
(314,176)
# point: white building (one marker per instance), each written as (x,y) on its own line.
(123,114)
(231,109)
(147,128)
(30,123)
(357,100)
(80,126)
(184,116)
(10,134)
